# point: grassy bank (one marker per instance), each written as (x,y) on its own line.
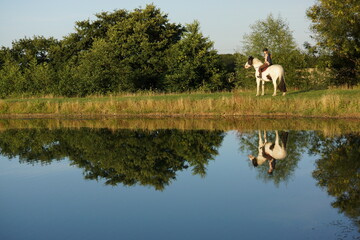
(320,103)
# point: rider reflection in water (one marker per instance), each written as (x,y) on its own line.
(269,151)
(268,61)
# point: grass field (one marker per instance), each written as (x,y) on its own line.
(339,103)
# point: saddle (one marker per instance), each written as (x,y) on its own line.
(264,69)
(267,76)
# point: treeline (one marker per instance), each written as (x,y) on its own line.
(119,51)
(129,51)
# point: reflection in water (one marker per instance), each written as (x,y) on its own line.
(269,151)
(293,144)
(153,157)
(122,156)
(338,171)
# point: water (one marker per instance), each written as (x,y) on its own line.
(86,183)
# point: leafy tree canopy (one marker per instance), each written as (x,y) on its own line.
(193,62)
(337,30)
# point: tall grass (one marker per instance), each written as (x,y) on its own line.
(325,103)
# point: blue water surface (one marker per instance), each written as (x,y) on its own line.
(54,201)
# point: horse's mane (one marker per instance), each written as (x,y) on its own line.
(256,60)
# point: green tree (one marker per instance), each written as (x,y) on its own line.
(68,82)
(4,55)
(228,64)
(40,78)
(11,78)
(275,34)
(86,32)
(27,68)
(131,55)
(243,77)
(337,31)
(97,71)
(193,63)
(118,51)
(40,48)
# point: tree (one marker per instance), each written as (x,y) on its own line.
(275,34)
(11,78)
(193,63)
(131,55)
(337,31)
(86,33)
(27,68)
(4,55)
(38,47)
(39,78)
(141,43)
(119,51)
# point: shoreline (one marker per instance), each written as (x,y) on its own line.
(339,104)
(167,115)
(329,126)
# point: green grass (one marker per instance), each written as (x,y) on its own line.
(125,97)
(314,103)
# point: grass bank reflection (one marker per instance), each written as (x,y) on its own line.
(329,127)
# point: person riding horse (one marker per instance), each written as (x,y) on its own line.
(267,63)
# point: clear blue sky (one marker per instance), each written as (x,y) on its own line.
(223,21)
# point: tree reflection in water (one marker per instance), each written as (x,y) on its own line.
(338,171)
(153,157)
(129,157)
(297,144)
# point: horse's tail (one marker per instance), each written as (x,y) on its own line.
(282,85)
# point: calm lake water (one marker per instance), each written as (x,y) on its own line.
(101,183)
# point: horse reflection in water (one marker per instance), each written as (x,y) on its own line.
(269,151)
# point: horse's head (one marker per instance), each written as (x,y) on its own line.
(253,160)
(249,62)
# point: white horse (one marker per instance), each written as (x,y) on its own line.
(269,151)
(274,73)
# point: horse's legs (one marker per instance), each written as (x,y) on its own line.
(261,143)
(257,86)
(262,88)
(265,138)
(275,86)
(277,142)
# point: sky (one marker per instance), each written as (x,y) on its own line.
(224,21)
